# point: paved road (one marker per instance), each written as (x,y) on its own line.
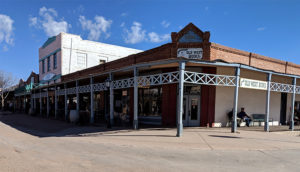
(36,144)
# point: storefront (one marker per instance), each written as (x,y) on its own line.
(188,82)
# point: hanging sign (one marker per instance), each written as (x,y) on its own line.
(48,76)
(190,53)
(253,84)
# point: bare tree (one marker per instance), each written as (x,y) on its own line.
(6,83)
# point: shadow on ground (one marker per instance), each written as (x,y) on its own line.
(45,127)
(227,137)
(272,128)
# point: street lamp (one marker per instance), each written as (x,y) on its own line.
(107,83)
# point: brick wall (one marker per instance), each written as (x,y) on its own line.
(208,98)
(231,55)
(292,68)
(169,104)
(267,63)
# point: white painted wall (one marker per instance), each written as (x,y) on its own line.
(73,44)
(253,100)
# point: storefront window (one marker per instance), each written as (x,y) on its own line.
(99,103)
(150,101)
(192,90)
(121,106)
(297,111)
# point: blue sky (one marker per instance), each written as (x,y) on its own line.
(267,27)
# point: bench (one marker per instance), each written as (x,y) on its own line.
(259,118)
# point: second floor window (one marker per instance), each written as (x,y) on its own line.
(54,61)
(81,60)
(43,66)
(101,61)
(48,63)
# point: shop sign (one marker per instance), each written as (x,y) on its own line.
(253,84)
(48,76)
(190,53)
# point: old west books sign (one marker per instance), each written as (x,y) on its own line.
(253,84)
(190,53)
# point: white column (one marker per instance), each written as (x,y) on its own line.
(267,128)
(47,103)
(135,99)
(235,102)
(92,99)
(41,102)
(293,105)
(66,102)
(31,102)
(55,102)
(180,99)
(24,103)
(15,102)
(19,103)
(111,99)
(77,98)
(34,102)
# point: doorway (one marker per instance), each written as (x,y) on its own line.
(191,111)
(283,105)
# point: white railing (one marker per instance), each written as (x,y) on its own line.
(279,87)
(71,90)
(123,83)
(169,78)
(84,89)
(158,79)
(208,79)
(99,87)
(60,92)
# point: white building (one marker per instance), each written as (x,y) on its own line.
(68,53)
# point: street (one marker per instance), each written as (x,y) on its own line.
(37,144)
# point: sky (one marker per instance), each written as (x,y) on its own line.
(267,27)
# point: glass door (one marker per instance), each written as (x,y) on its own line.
(191,110)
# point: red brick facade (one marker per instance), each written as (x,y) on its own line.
(231,55)
(208,98)
(211,52)
(169,104)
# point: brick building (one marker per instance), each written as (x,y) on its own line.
(190,79)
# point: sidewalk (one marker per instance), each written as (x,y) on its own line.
(248,138)
(59,146)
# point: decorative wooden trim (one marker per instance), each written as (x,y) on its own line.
(204,35)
